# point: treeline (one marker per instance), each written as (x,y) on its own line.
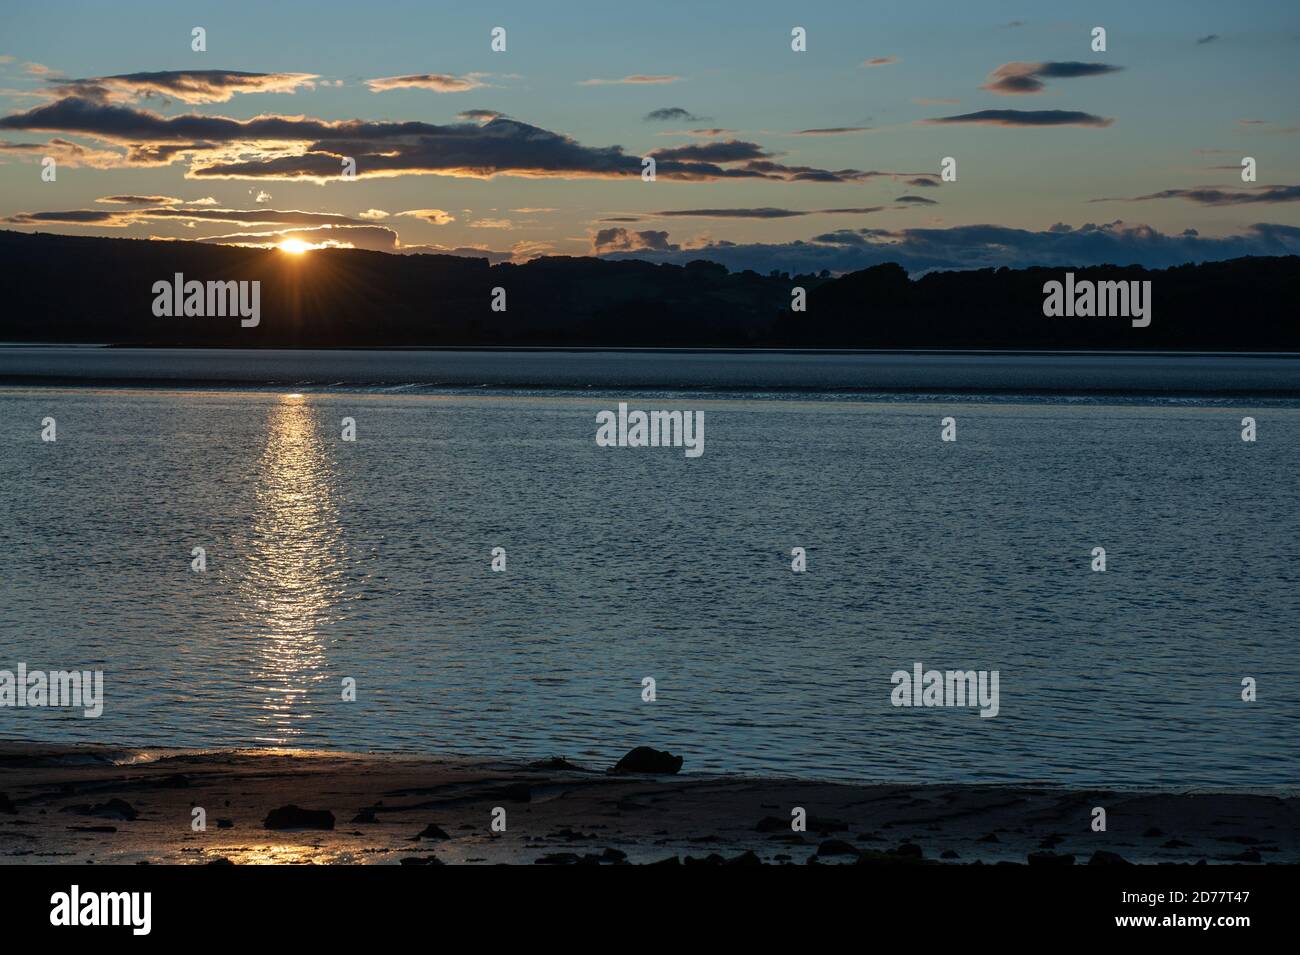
(78,289)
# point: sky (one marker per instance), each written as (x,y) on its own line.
(765,157)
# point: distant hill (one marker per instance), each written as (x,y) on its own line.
(78,289)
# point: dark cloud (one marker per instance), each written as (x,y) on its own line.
(917,200)
(1022,78)
(1024,117)
(987,246)
(730,150)
(760,213)
(1208,38)
(141,200)
(125,217)
(478,115)
(832,131)
(618,239)
(188,86)
(670,113)
(291,147)
(1214,196)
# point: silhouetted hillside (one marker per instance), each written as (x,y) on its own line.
(76,289)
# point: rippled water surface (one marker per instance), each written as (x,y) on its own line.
(371,560)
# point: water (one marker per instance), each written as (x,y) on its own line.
(371,560)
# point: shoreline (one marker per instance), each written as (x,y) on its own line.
(75,803)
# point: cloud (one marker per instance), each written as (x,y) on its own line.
(670,113)
(832,131)
(478,115)
(881,61)
(1208,38)
(373,238)
(1023,117)
(504,224)
(764,212)
(373,214)
(1215,196)
(635,80)
(917,200)
(1023,78)
(187,86)
(304,148)
(65,153)
(434,216)
(980,246)
(438,82)
(117,218)
(618,239)
(727,151)
(141,200)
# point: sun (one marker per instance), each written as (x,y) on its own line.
(295,246)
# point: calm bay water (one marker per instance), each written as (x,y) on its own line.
(371,560)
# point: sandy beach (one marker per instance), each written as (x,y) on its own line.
(102,805)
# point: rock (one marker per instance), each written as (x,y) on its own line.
(365,816)
(614,855)
(295,817)
(421,860)
(558,858)
(948,854)
(643,759)
(991,837)
(558,764)
(113,809)
(431,831)
(1102,857)
(225,823)
(711,859)
(872,857)
(909,850)
(7,806)
(837,847)
(745,858)
(1050,858)
(220,860)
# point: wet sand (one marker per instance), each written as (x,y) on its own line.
(100,805)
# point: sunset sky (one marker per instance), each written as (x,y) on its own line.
(766,158)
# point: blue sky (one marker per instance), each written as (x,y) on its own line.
(1183,92)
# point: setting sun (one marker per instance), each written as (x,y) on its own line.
(295,246)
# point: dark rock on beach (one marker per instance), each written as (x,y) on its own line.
(295,817)
(431,831)
(643,759)
(113,809)
(837,847)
